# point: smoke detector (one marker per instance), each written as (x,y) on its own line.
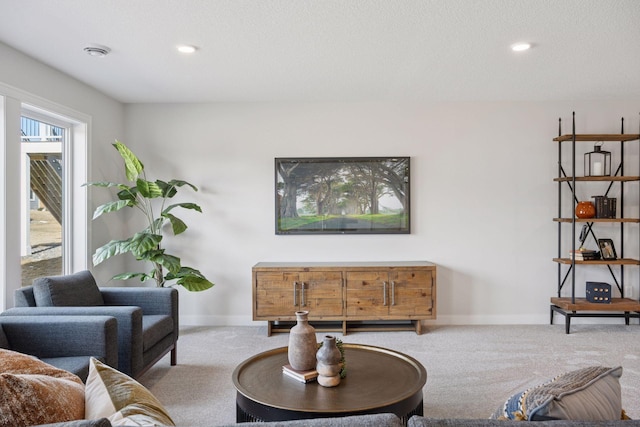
(97,50)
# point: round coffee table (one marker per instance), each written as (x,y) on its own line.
(378,380)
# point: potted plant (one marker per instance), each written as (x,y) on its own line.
(150,198)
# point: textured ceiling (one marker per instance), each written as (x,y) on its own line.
(336,50)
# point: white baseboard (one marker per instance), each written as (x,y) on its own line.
(218,321)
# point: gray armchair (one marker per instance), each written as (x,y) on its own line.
(147,317)
(66,342)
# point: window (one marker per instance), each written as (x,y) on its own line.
(41,217)
(62,134)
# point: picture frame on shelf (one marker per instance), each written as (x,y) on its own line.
(607,249)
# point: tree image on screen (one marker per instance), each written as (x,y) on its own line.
(344,195)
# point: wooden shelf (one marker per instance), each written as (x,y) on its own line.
(612,220)
(581,304)
(623,261)
(573,307)
(595,137)
(607,178)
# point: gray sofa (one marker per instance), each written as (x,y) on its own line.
(65,342)
(417,421)
(374,420)
(390,420)
(147,317)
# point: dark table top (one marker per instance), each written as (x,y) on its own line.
(376,377)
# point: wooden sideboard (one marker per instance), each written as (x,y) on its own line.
(345,296)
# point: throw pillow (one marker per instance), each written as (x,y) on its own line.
(102,422)
(33,392)
(589,394)
(111,394)
(72,290)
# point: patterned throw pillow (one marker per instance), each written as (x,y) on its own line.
(111,394)
(33,392)
(589,394)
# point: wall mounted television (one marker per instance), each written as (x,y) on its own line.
(342,195)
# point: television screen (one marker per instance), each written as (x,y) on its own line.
(342,195)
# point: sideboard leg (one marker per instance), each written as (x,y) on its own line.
(418,327)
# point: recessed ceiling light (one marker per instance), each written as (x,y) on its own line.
(520,47)
(185,48)
(97,50)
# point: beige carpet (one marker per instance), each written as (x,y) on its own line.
(471,369)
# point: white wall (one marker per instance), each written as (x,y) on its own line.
(483,195)
(28,80)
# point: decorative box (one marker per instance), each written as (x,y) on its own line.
(599,292)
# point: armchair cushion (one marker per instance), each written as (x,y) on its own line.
(154,328)
(73,290)
(33,392)
(65,342)
(77,365)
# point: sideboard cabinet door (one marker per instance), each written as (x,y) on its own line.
(411,293)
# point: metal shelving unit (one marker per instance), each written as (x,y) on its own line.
(573,306)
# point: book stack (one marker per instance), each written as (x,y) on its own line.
(584,255)
(605,206)
(302,376)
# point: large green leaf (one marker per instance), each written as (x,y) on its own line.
(178,226)
(113,248)
(111,207)
(128,193)
(194,283)
(104,184)
(170,262)
(191,279)
(144,242)
(168,191)
(125,276)
(180,183)
(184,272)
(182,205)
(133,166)
(149,255)
(148,189)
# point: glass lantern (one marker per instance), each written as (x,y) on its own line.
(597,162)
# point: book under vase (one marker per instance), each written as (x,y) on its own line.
(304,376)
